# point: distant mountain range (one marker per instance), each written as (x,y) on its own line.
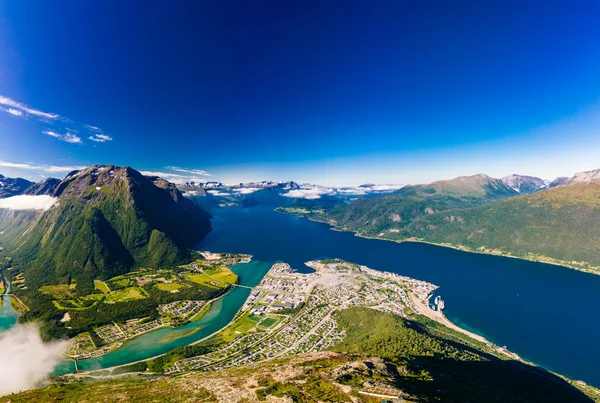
(518,215)
(106,221)
(16,186)
(374,215)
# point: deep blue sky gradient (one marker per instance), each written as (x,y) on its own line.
(325,91)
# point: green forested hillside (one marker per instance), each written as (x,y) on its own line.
(431,365)
(558,225)
(562,223)
(107,220)
(373,215)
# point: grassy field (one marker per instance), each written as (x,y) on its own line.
(223,274)
(59,291)
(169,286)
(78,304)
(202,279)
(239,328)
(269,322)
(126,294)
(101,286)
(215,277)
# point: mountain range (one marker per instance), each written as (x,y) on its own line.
(17,186)
(517,216)
(109,219)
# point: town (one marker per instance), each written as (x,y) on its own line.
(291,312)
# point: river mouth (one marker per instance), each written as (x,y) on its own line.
(163,340)
(541,312)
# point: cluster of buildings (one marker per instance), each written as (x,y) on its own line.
(181,309)
(282,288)
(222,259)
(115,333)
(335,285)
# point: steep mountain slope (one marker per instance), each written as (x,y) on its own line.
(13,186)
(524,184)
(557,225)
(108,219)
(45,187)
(374,215)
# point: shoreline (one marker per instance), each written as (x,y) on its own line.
(557,262)
(208,303)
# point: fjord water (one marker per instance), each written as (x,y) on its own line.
(545,313)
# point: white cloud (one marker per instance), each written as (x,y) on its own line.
(19,109)
(22,202)
(13,111)
(43,168)
(387,188)
(66,137)
(364,190)
(245,191)
(310,193)
(316,192)
(217,193)
(100,138)
(26,359)
(175,178)
(14,105)
(189,171)
(164,175)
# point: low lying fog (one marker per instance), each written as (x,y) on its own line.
(26,359)
(28,202)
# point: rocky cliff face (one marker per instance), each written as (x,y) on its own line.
(45,187)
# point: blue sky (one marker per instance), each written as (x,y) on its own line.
(330,92)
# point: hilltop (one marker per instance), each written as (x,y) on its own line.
(524,184)
(107,220)
(13,186)
(373,215)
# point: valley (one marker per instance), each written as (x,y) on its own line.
(221,311)
(346,309)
